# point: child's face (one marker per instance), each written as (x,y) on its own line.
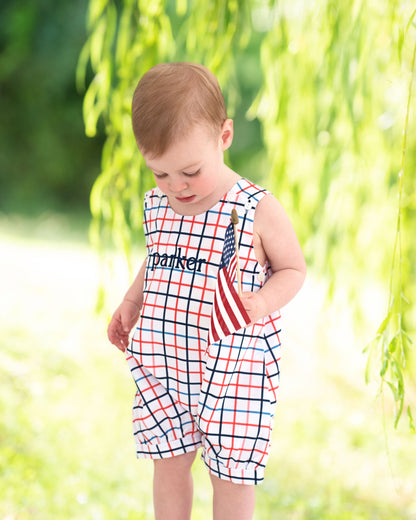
(192,172)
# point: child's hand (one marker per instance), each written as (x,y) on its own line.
(255,305)
(123,320)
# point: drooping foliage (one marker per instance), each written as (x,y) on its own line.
(125,41)
(329,84)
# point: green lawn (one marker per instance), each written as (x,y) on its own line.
(66,449)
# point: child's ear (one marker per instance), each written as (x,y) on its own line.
(227,134)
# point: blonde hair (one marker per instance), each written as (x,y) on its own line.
(170,99)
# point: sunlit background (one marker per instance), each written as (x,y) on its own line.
(319,93)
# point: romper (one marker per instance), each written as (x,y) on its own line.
(220,396)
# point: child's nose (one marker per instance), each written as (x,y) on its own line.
(178,184)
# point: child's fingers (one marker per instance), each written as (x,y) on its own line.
(122,345)
(254,305)
(116,336)
(121,342)
(126,325)
(248,300)
(112,333)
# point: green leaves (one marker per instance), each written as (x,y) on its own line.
(388,352)
(122,45)
(411,422)
(403,33)
(330,101)
(392,341)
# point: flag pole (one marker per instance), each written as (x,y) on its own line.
(234,222)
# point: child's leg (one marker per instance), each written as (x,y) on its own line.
(232,501)
(173,487)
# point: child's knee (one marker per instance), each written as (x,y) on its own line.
(177,464)
(227,486)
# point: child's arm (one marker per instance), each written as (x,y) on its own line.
(277,242)
(127,313)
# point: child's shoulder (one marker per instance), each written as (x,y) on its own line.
(250,190)
(271,220)
(268,212)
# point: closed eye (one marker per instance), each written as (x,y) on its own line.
(191,174)
(159,175)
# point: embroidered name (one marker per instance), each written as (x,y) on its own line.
(176,261)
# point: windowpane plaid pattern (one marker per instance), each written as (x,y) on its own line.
(190,393)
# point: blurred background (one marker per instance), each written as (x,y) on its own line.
(321,95)
(46,163)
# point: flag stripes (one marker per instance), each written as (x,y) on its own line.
(228,313)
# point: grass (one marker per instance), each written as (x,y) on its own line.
(66,449)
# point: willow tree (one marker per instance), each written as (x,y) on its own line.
(333,91)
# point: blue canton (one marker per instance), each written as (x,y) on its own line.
(229,247)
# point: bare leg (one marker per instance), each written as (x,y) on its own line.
(232,501)
(173,487)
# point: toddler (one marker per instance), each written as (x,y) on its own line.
(205,360)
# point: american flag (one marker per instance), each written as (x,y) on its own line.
(228,313)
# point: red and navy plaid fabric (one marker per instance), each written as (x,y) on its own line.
(191,393)
(228,313)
